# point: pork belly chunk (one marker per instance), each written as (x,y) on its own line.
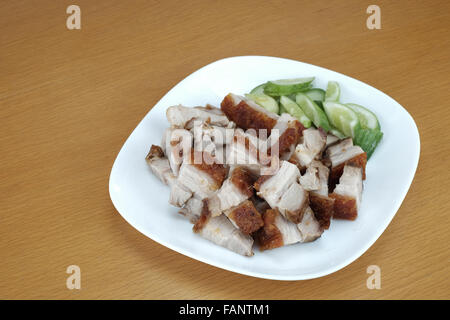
(315,180)
(348,193)
(310,147)
(158,163)
(178,143)
(344,153)
(245,217)
(271,188)
(183,117)
(201,175)
(294,202)
(244,151)
(322,172)
(213,139)
(285,135)
(310,229)
(237,188)
(277,231)
(161,168)
(252,152)
(179,194)
(310,179)
(260,204)
(269,236)
(221,231)
(247,114)
(331,139)
(204,131)
(323,208)
(288,154)
(192,209)
(283,192)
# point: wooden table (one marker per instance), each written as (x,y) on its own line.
(70,98)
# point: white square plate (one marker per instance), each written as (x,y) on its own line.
(142,199)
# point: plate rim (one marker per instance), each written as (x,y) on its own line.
(306,276)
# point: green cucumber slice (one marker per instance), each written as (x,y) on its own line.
(282,110)
(292,96)
(286,87)
(259,89)
(264,101)
(342,118)
(312,111)
(333,91)
(368,140)
(367,118)
(294,110)
(319,103)
(337,133)
(316,94)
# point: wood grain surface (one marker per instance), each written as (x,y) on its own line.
(70,98)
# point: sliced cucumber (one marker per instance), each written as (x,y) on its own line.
(286,87)
(368,140)
(282,110)
(292,96)
(320,104)
(367,118)
(316,94)
(337,133)
(264,101)
(333,91)
(342,118)
(259,89)
(312,111)
(294,110)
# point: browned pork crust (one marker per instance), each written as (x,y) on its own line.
(261,180)
(246,217)
(297,215)
(155,152)
(336,172)
(344,207)
(290,136)
(218,172)
(293,159)
(269,236)
(243,179)
(245,116)
(204,217)
(260,204)
(323,208)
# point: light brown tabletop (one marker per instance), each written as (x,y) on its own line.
(70,98)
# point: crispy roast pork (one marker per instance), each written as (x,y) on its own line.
(237,182)
(237,188)
(315,180)
(343,153)
(288,134)
(184,117)
(177,144)
(245,217)
(158,163)
(310,147)
(200,174)
(247,114)
(278,231)
(283,192)
(348,193)
(222,232)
